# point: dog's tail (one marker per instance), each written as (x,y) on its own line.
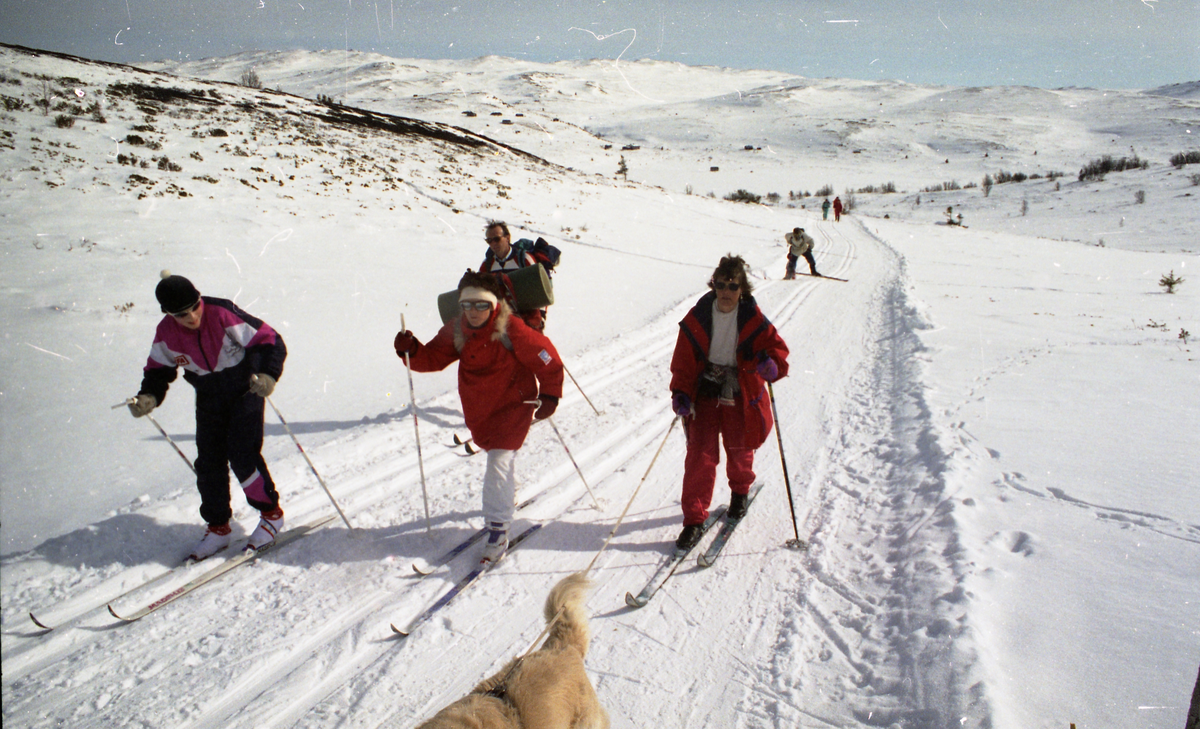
(571,627)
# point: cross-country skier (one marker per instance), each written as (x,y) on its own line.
(505,257)
(825,209)
(725,353)
(837,210)
(799,244)
(508,375)
(233,360)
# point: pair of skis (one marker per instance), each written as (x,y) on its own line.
(196,582)
(462,583)
(247,555)
(672,562)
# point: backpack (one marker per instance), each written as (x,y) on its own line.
(542,252)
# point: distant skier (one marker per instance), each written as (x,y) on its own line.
(504,256)
(508,376)
(233,360)
(799,244)
(825,209)
(837,210)
(725,351)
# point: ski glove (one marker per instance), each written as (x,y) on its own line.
(142,405)
(681,404)
(767,369)
(262,385)
(405,343)
(547,408)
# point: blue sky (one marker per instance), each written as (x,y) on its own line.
(1047,43)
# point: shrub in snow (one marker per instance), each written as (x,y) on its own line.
(64,121)
(1170,281)
(1097,169)
(251,79)
(1140,197)
(744,196)
(1185,158)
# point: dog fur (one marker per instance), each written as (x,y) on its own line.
(548,689)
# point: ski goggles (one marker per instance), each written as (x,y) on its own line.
(475,305)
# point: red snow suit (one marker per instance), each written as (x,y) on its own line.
(501,366)
(756,337)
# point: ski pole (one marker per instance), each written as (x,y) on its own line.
(412,398)
(581,392)
(621,518)
(160,429)
(310,463)
(595,502)
(796,543)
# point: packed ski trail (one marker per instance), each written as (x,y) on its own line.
(302,638)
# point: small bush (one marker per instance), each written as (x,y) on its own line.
(64,121)
(134,139)
(1185,158)
(1195,179)
(167,165)
(743,196)
(1139,197)
(11,103)
(1170,281)
(825,191)
(250,79)
(1097,169)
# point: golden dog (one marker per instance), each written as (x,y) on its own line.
(547,689)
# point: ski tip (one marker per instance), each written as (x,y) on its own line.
(422,572)
(38,622)
(703,561)
(118,617)
(634,602)
(399,633)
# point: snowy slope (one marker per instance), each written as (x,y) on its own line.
(988,433)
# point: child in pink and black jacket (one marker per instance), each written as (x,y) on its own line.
(233,360)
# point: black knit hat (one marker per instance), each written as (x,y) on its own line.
(175,294)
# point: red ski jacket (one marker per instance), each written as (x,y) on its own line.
(502,366)
(757,337)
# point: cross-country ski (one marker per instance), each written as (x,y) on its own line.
(248,555)
(725,532)
(460,586)
(668,565)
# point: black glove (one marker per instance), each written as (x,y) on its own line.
(405,343)
(547,408)
(681,404)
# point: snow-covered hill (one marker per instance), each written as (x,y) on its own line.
(988,429)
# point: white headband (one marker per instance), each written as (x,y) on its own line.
(470,293)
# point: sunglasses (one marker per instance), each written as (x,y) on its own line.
(475,305)
(494,239)
(722,285)
(189,310)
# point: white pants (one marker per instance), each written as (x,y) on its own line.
(500,486)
